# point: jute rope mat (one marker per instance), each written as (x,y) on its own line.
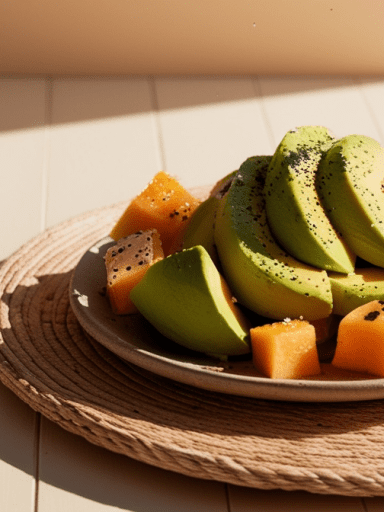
(51,364)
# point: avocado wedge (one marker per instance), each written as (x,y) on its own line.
(350,292)
(186,299)
(349,181)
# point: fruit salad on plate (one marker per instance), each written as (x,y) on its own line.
(285,254)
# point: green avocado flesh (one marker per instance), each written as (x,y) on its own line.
(349,181)
(295,215)
(350,292)
(201,226)
(183,298)
(200,230)
(261,275)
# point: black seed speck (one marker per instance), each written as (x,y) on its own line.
(372,316)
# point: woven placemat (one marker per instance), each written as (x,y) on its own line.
(54,366)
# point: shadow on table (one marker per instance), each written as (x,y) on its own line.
(18,425)
(92,98)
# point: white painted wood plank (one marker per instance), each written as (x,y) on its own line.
(17,453)
(103,146)
(373,94)
(209,126)
(78,476)
(255,500)
(374,504)
(22,143)
(336,103)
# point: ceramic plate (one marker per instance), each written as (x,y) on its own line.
(133,339)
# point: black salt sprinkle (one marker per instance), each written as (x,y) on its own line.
(372,316)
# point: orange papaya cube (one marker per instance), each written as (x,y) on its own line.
(285,350)
(360,340)
(126,264)
(164,205)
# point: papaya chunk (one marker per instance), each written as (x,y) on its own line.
(164,205)
(360,340)
(126,264)
(285,350)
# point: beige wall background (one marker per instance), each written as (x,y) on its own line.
(192,37)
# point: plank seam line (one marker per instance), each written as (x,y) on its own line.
(364,505)
(259,93)
(360,86)
(227,497)
(156,117)
(37,461)
(46,154)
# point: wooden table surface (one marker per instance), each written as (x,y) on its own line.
(69,145)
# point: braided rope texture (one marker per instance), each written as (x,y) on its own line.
(48,361)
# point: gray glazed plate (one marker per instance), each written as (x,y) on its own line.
(133,339)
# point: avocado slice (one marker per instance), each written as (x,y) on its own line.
(200,230)
(186,299)
(354,290)
(295,215)
(349,181)
(262,276)
(201,226)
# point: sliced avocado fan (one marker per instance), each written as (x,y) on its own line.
(295,214)
(262,276)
